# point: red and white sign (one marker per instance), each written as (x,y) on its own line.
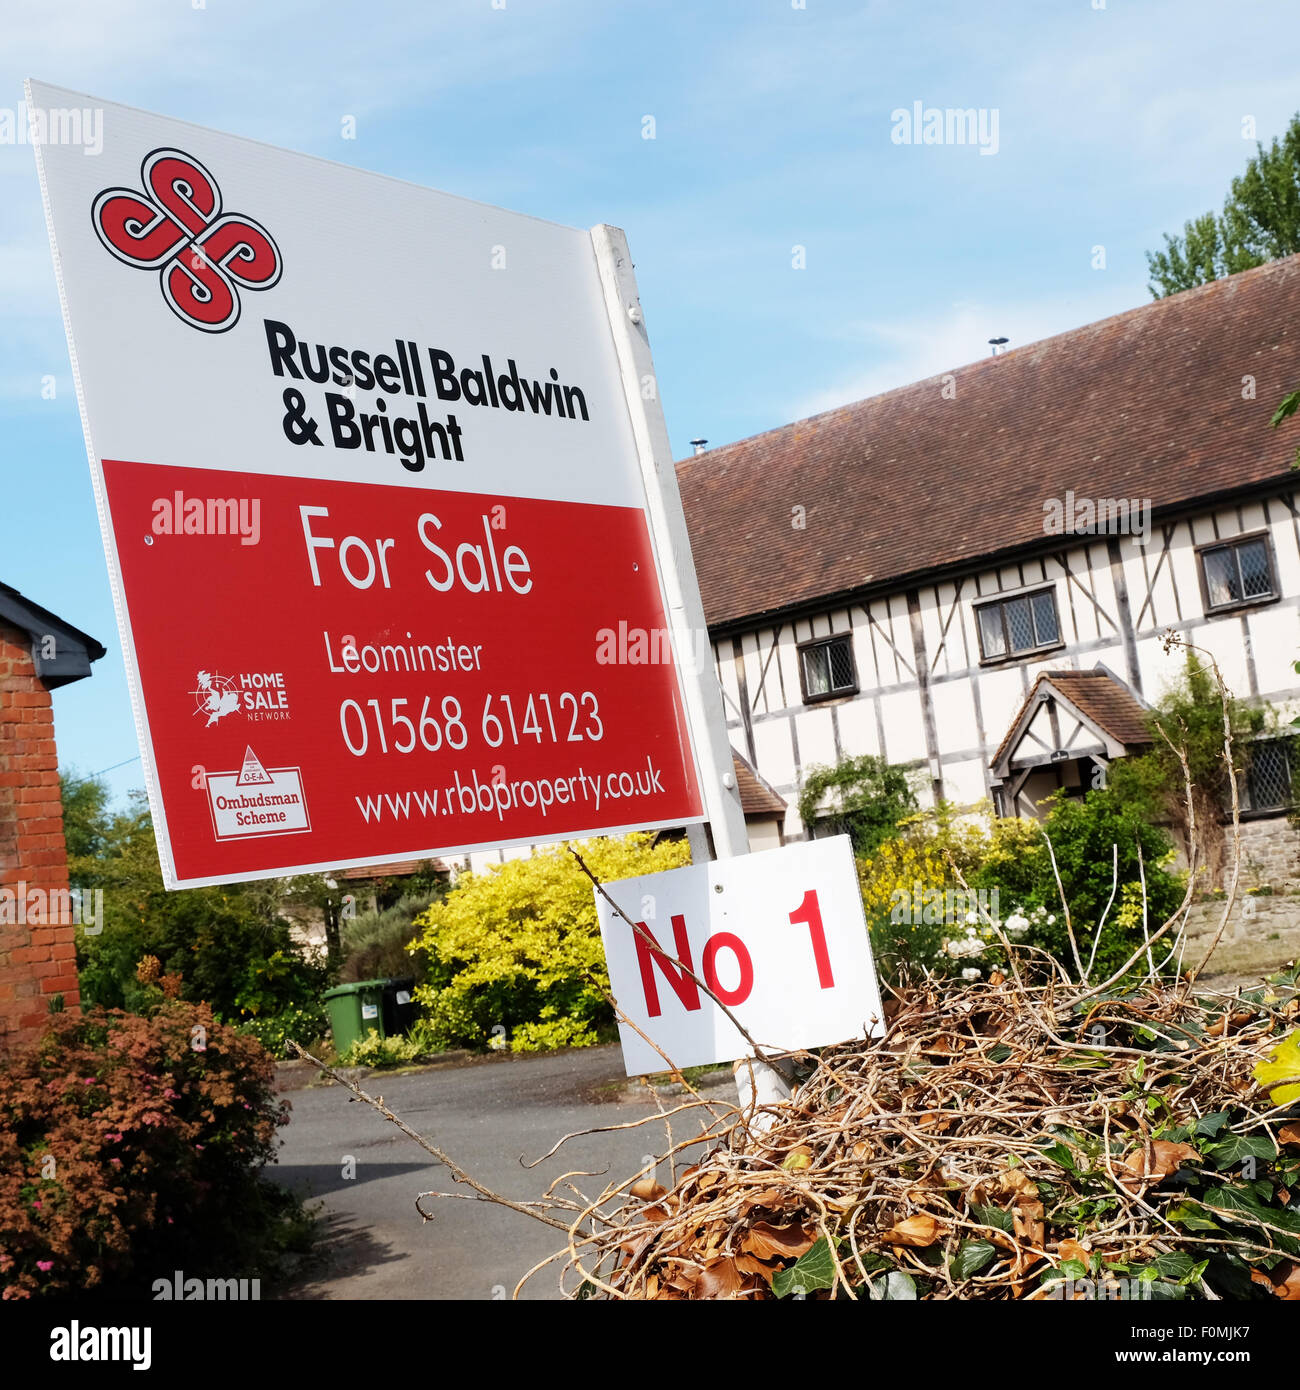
(372,507)
(779,937)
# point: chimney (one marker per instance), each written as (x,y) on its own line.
(698,445)
(997,344)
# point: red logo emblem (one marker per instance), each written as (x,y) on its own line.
(177,226)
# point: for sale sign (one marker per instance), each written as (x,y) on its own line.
(778,937)
(372,508)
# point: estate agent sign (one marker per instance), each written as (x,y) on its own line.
(372,507)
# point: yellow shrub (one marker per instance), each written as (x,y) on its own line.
(517,947)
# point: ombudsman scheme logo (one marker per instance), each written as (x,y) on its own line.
(259,696)
(176,226)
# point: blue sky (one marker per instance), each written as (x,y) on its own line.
(772,130)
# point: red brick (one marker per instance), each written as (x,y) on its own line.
(58,984)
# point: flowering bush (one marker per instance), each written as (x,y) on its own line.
(518,946)
(919,915)
(129,1147)
(305,1024)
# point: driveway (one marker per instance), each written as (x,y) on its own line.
(486,1114)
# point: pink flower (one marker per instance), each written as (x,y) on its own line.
(36,1204)
(117,1162)
(45,1265)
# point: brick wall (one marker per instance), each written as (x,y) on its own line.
(37,959)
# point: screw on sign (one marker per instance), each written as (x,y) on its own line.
(783,947)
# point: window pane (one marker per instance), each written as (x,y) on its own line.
(841,665)
(991,639)
(1020,625)
(1268,783)
(1221,581)
(1255,579)
(1045,624)
(816,671)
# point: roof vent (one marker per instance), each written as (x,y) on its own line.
(997,344)
(698,445)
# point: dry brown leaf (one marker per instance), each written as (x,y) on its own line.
(646,1190)
(1072,1250)
(1027,1219)
(1289,1289)
(718,1279)
(797,1159)
(918,1231)
(770,1242)
(1289,1134)
(1165,1158)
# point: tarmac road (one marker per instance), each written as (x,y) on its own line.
(485,1114)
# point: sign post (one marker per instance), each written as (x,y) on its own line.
(758,1083)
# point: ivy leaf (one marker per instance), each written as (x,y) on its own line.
(1192,1215)
(1234,1199)
(1176,1264)
(1063,1156)
(1209,1125)
(995,1217)
(1236,1147)
(811,1271)
(895,1287)
(971,1257)
(999,1052)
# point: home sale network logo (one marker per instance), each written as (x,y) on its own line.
(176,226)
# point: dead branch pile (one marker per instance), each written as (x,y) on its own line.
(1002,1141)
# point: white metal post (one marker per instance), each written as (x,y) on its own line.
(702,695)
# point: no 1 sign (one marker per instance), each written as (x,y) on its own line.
(779,937)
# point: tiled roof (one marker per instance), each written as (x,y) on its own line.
(1147,404)
(1102,699)
(756,797)
(400,869)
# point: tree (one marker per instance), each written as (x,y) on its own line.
(1260,222)
(230,944)
(1190,714)
(864,798)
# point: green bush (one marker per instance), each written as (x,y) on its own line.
(374,1051)
(1084,832)
(230,945)
(131,1147)
(305,1024)
(864,798)
(376,944)
(1009,856)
